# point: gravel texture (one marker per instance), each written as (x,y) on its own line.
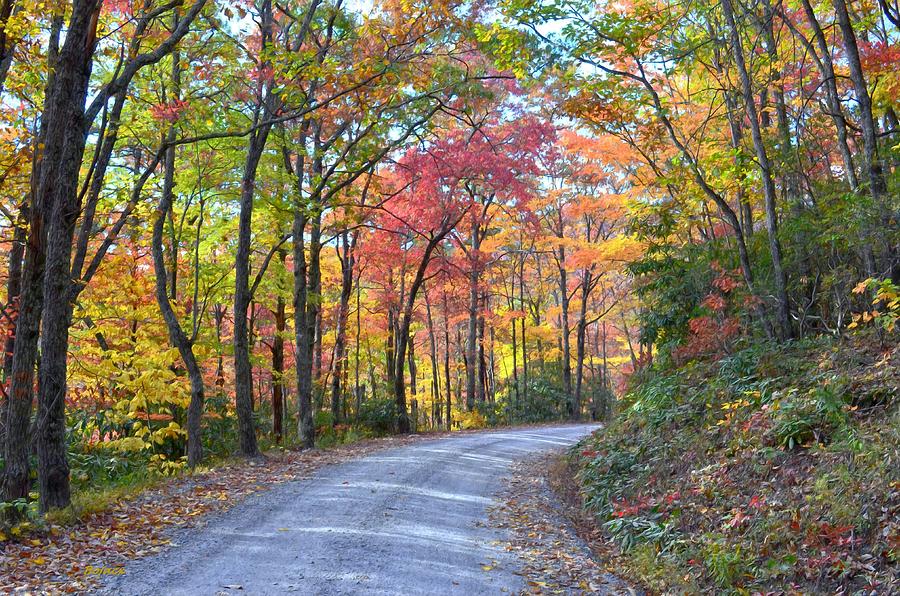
(410,520)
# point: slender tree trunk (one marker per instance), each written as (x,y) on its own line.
(311,303)
(515,367)
(482,366)
(356,386)
(243,370)
(279,387)
(581,330)
(341,331)
(471,344)
(524,339)
(177,337)
(874,169)
(769,193)
(403,422)
(13,294)
(565,332)
(447,361)
(435,366)
(829,79)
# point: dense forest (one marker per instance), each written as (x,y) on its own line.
(232,225)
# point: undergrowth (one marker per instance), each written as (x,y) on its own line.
(774,468)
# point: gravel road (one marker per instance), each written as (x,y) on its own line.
(410,520)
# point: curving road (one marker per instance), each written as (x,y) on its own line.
(409,520)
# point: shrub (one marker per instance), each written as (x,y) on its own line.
(378,415)
(801,418)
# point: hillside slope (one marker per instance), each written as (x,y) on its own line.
(775,468)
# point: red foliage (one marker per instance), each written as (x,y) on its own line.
(169,112)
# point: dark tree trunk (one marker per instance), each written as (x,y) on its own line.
(435,366)
(243,371)
(177,336)
(874,168)
(21,390)
(482,365)
(472,338)
(340,342)
(769,194)
(305,427)
(580,334)
(57,195)
(565,332)
(279,387)
(312,303)
(13,291)
(515,366)
(447,361)
(829,79)
(403,422)
(522,335)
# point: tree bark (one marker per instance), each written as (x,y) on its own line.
(769,193)
(472,337)
(447,361)
(340,341)
(279,387)
(243,371)
(57,195)
(177,336)
(874,169)
(565,331)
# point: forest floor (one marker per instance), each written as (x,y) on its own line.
(398,515)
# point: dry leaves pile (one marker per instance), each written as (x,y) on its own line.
(69,558)
(555,560)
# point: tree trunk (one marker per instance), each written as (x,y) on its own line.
(403,422)
(279,387)
(306,430)
(243,373)
(447,361)
(829,79)
(564,332)
(783,306)
(482,365)
(435,366)
(313,305)
(13,294)
(522,335)
(340,340)
(57,195)
(581,330)
(874,169)
(177,337)
(471,344)
(243,370)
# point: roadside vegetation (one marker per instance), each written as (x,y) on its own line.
(773,468)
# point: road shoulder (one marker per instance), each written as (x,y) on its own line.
(554,558)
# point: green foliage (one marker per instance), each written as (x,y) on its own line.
(628,532)
(542,400)
(673,285)
(378,415)
(815,415)
(726,563)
